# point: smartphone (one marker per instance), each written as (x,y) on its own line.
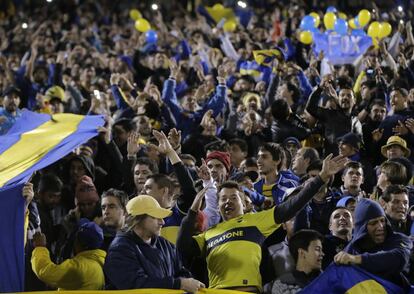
(97,94)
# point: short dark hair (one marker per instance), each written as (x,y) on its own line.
(403,91)
(148,162)
(162,181)
(280,109)
(310,153)
(50,183)
(118,194)
(377,102)
(229,185)
(275,150)
(301,240)
(393,189)
(354,165)
(239,142)
(188,157)
(125,123)
(315,165)
(251,162)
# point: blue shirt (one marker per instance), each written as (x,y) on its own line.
(10,120)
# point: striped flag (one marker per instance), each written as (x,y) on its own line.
(34,142)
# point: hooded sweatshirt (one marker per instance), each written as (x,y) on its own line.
(386,260)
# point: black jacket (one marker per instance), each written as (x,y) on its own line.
(133,264)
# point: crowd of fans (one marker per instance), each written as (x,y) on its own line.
(256,181)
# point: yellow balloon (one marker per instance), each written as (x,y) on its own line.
(218,6)
(385,31)
(142,25)
(374,29)
(352,24)
(229,26)
(364,16)
(316,18)
(135,14)
(329,20)
(342,15)
(305,37)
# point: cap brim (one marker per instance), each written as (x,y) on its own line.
(159,212)
(407,152)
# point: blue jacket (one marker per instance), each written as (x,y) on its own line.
(187,121)
(386,260)
(133,264)
(286,180)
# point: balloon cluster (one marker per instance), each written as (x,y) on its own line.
(336,23)
(230,24)
(142,25)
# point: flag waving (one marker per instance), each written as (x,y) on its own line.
(34,142)
(351,280)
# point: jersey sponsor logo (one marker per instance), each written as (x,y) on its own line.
(251,234)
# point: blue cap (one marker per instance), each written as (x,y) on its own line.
(351,139)
(90,235)
(292,140)
(344,201)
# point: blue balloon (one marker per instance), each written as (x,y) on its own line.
(341,26)
(356,22)
(307,23)
(358,32)
(151,36)
(331,9)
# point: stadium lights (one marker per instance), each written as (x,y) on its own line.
(242,4)
(400,9)
(24,25)
(49,1)
(154,6)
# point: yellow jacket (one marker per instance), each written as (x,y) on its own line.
(83,272)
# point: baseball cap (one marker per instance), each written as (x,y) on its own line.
(144,204)
(90,235)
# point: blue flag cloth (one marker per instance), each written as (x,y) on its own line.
(341,49)
(352,280)
(12,239)
(34,142)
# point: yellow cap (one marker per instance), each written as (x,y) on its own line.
(144,204)
(395,140)
(55,92)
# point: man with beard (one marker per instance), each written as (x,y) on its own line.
(377,113)
(10,111)
(337,118)
(340,226)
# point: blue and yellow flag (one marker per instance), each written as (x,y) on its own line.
(34,142)
(350,280)
(266,56)
(216,13)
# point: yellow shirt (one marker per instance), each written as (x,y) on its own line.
(83,272)
(267,190)
(233,249)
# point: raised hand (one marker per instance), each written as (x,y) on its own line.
(133,145)
(174,69)
(196,206)
(400,129)
(205,121)
(155,94)
(203,172)
(28,193)
(164,145)
(331,166)
(409,123)
(115,78)
(174,137)
(377,134)
(39,240)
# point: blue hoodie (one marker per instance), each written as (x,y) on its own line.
(386,260)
